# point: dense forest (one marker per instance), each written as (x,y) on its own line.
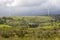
(30,28)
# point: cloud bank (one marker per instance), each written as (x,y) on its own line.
(29,7)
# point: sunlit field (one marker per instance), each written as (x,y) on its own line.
(30,28)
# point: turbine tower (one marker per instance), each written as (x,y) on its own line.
(48,11)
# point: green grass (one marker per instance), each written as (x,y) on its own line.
(3,25)
(32,32)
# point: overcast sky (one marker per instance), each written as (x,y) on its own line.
(28,7)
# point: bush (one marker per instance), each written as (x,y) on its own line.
(20,33)
(7,33)
(33,25)
(2,21)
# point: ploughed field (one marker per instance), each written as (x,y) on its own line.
(30,28)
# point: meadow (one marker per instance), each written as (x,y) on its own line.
(30,28)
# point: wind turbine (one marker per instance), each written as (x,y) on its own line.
(53,20)
(48,11)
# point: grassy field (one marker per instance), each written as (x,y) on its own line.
(29,28)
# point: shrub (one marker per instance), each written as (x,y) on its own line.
(33,25)
(20,33)
(7,34)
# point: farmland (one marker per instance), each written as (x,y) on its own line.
(30,28)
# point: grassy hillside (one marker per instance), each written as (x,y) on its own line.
(29,28)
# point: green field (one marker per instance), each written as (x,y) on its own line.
(30,28)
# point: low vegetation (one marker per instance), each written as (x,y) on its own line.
(30,28)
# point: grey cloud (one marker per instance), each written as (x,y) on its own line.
(31,7)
